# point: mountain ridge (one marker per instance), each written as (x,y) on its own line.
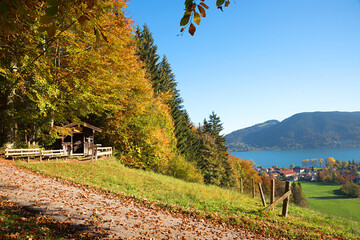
(307,130)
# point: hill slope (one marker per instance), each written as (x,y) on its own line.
(300,131)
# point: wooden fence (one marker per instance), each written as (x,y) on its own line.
(52,154)
(21,153)
(36,152)
(103,151)
(285,198)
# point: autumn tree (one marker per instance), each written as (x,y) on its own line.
(163,81)
(32,75)
(243,169)
(74,60)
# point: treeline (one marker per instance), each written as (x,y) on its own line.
(329,162)
(201,154)
(341,172)
(81,61)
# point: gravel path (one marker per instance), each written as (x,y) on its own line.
(115,216)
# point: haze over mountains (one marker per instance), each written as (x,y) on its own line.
(309,130)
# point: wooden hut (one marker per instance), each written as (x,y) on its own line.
(80,141)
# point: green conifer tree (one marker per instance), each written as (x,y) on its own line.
(163,81)
(214,156)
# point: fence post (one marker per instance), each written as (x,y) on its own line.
(285,209)
(272,191)
(253,188)
(262,195)
(241,185)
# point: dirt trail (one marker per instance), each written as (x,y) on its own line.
(121,218)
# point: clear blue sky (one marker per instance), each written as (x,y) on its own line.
(260,59)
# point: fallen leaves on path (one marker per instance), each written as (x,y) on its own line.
(102,214)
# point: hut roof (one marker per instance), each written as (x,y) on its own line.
(74,124)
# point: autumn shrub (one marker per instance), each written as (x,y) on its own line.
(144,134)
(180,168)
(298,197)
(351,189)
(243,169)
(297,194)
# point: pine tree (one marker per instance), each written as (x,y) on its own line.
(147,51)
(214,157)
(163,82)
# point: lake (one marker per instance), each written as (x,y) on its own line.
(284,158)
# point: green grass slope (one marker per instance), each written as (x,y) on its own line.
(327,199)
(199,199)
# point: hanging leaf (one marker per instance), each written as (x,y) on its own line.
(220,7)
(51,31)
(204,5)
(104,36)
(188,3)
(46,19)
(219,2)
(227,3)
(52,11)
(185,19)
(42,29)
(97,36)
(197,18)
(90,4)
(52,2)
(182,29)
(192,29)
(82,19)
(202,11)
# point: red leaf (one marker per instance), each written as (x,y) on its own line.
(192,29)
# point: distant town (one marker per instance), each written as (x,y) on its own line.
(316,170)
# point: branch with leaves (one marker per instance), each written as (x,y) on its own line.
(195,11)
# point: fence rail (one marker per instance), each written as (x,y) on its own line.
(104,151)
(285,198)
(15,153)
(52,153)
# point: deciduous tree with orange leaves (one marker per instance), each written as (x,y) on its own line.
(67,60)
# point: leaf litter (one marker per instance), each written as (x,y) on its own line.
(104,215)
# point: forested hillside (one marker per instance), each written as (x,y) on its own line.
(82,61)
(300,131)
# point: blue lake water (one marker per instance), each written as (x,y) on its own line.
(285,157)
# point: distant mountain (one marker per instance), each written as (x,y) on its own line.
(301,131)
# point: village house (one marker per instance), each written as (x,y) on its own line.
(299,169)
(287,173)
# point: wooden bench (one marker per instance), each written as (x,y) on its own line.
(22,153)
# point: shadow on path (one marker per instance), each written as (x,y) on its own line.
(17,222)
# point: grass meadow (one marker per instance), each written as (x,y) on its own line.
(327,199)
(199,199)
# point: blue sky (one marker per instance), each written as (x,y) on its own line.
(260,59)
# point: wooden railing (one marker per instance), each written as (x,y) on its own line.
(33,152)
(36,152)
(52,153)
(19,153)
(104,151)
(285,198)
